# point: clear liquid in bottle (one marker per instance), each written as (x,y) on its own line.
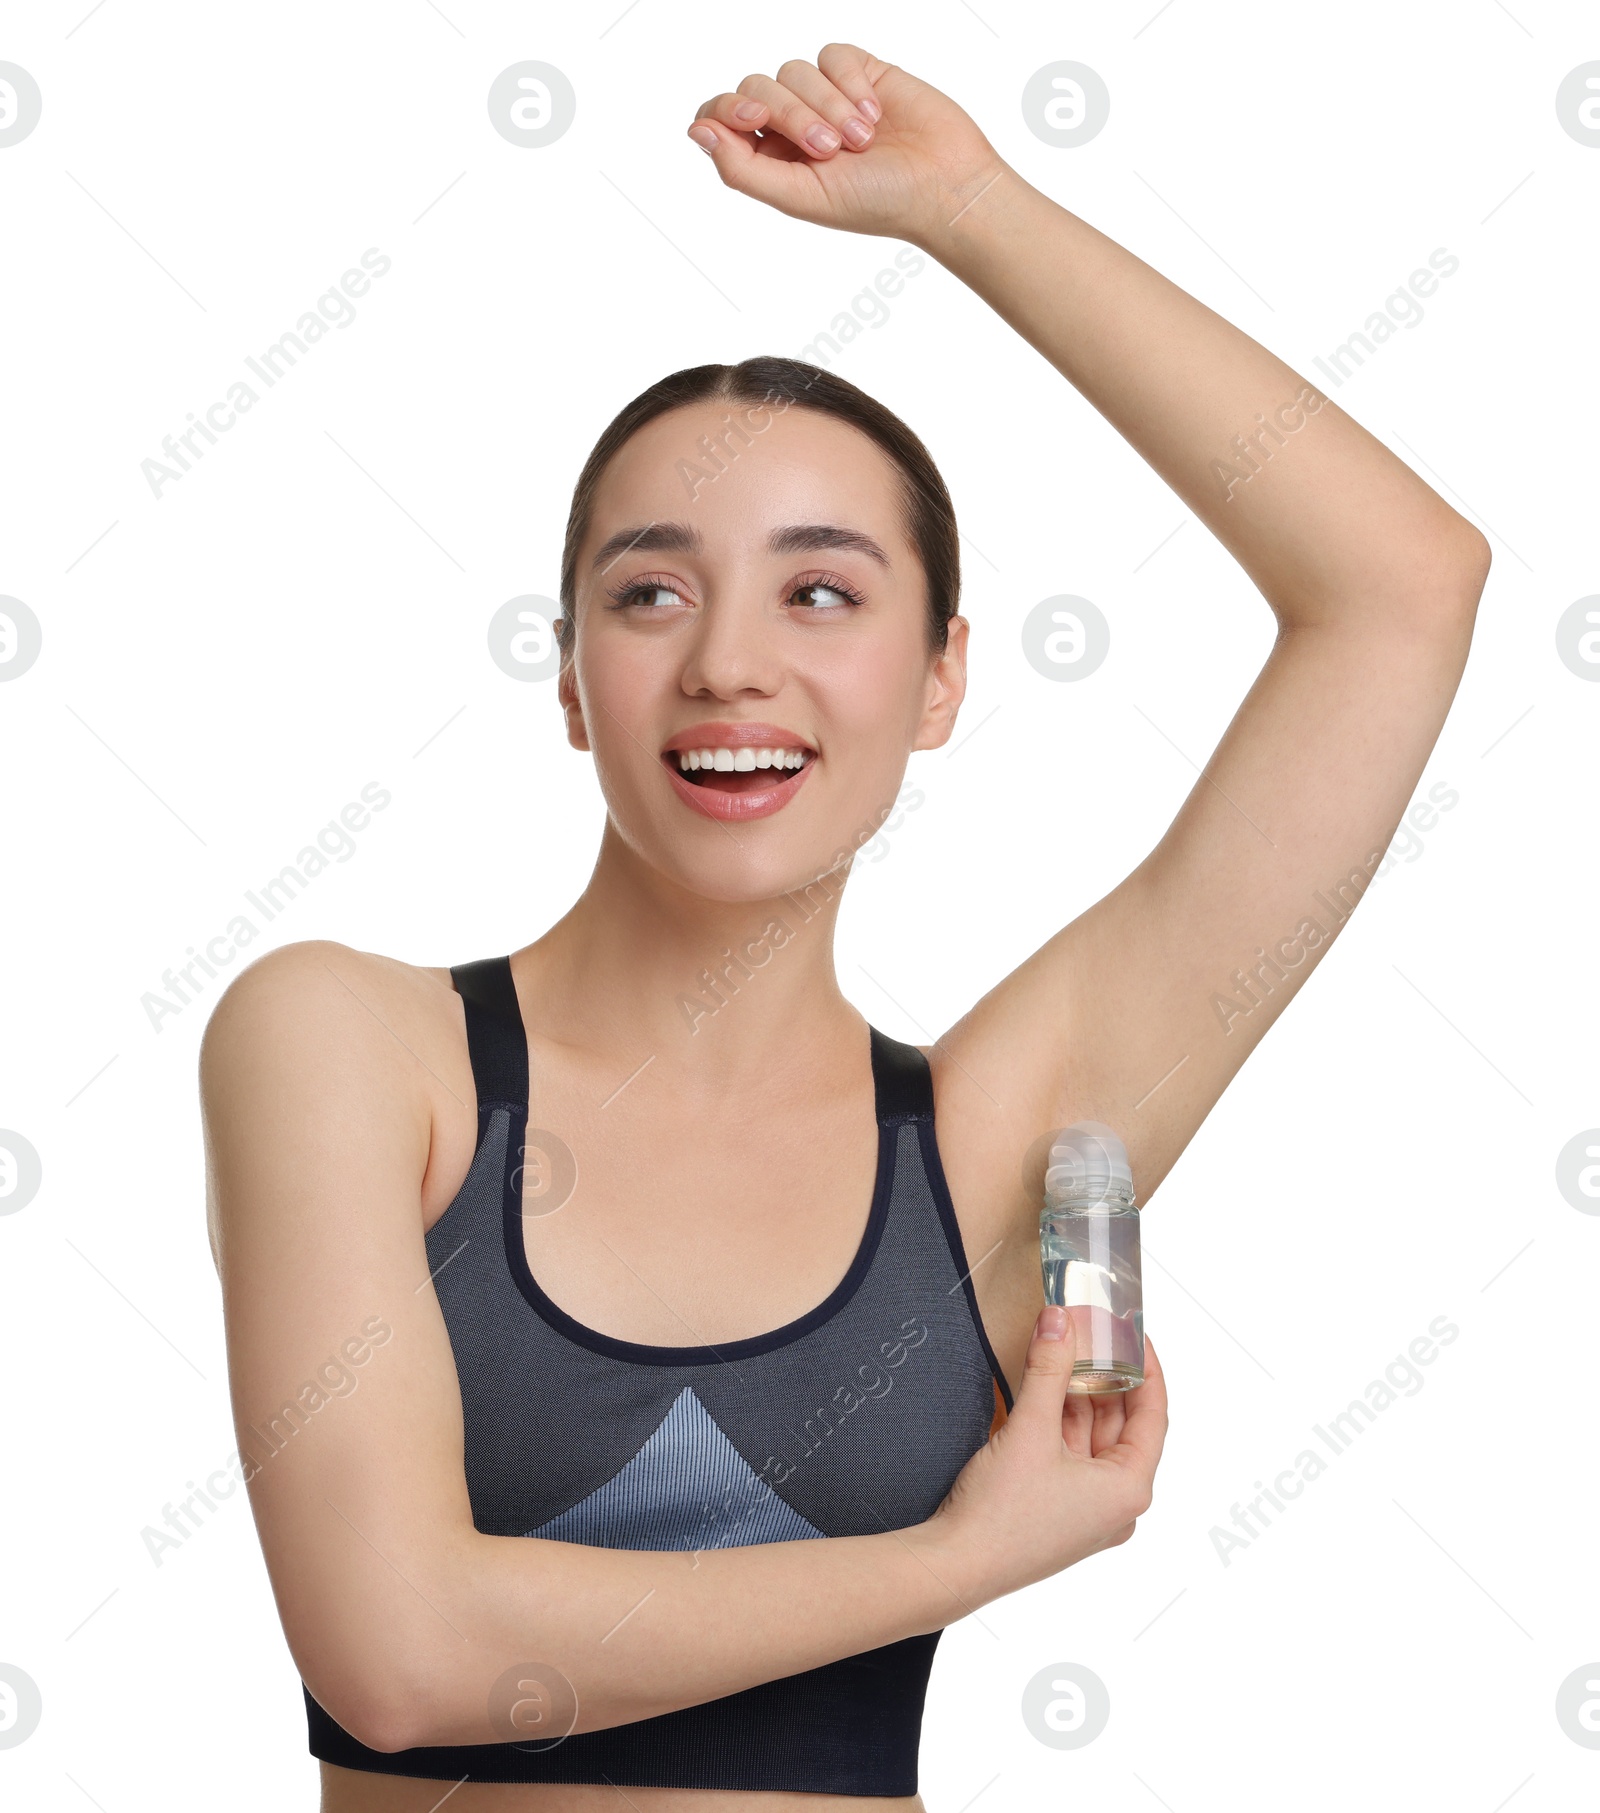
(1089,1255)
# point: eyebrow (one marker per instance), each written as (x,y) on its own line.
(684,538)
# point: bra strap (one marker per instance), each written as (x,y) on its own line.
(498,1045)
(901,1080)
(497,1041)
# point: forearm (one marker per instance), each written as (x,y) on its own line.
(644,1632)
(1325,520)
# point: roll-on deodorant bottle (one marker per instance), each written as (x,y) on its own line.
(1089,1253)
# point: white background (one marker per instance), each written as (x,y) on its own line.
(227,665)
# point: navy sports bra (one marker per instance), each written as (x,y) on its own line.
(853,1419)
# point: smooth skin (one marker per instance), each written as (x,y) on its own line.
(338,1097)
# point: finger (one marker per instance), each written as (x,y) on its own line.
(736,111)
(767,170)
(1110,1417)
(1144,1429)
(1092,1422)
(851,70)
(1039,1405)
(799,123)
(817,91)
(1077,1424)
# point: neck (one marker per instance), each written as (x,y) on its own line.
(723,988)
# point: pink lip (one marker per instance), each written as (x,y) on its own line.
(737,806)
(720,733)
(717,733)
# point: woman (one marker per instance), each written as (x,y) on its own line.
(588,1383)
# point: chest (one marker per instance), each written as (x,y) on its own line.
(701,1225)
(851,1417)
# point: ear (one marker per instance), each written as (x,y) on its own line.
(567,693)
(947,687)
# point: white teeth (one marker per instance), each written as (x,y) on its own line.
(738,761)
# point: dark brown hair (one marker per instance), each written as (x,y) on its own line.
(927,515)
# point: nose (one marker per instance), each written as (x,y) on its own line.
(733,650)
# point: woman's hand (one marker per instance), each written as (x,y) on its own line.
(1063,1477)
(849,141)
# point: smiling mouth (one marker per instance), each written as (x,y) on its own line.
(744,770)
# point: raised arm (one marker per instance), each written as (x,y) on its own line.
(1374,581)
(319,1071)
(1373,578)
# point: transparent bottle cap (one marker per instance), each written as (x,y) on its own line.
(1088,1165)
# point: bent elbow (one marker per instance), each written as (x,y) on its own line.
(381,1722)
(1476,559)
(1442,588)
(379,1714)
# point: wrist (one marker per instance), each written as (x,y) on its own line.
(975,216)
(955,1582)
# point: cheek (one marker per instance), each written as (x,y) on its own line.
(616,722)
(618,688)
(875,695)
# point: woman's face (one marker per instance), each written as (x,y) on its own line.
(745,587)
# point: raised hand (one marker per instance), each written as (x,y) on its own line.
(848,141)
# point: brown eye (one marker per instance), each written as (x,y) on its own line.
(647,592)
(818,594)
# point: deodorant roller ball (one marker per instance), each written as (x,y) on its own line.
(1089,1254)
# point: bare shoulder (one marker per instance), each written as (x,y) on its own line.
(316,1046)
(317,999)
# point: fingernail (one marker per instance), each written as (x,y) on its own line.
(1052,1322)
(822,138)
(869,109)
(857,133)
(749,110)
(704,137)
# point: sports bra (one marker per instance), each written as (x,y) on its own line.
(852,1419)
